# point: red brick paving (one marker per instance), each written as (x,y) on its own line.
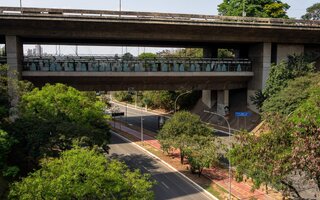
(219,176)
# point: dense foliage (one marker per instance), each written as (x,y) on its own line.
(194,140)
(289,143)
(254,8)
(161,99)
(313,12)
(280,74)
(83,174)
(51,120)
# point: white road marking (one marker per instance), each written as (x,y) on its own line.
(194,184)
(164,185)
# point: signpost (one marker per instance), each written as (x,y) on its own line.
(243,114)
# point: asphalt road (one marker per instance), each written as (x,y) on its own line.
(150,120)
(170,184)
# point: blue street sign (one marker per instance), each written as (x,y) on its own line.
(242,114)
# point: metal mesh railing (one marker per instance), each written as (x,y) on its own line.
(115,64)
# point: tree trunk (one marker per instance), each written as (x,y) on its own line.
(200,171)
(292,189)
(181,157)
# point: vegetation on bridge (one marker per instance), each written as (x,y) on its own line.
(254,8)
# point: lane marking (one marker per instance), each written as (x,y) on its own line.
(165,185)
(194,184)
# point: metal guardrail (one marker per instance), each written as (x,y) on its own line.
(154,16)
(115,64)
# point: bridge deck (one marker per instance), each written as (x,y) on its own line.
(152,16)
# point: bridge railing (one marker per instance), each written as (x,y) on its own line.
(114,64)
(3,60)
(153,16)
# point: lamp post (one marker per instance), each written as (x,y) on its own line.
(175,102)
(21,6)
(229,137)
(120,7)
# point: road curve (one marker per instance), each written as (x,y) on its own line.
(170,184)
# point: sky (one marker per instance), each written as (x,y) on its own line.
(297,9)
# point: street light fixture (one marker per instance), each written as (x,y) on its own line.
(131,90)
(229,137)
(120,8)
(175,102)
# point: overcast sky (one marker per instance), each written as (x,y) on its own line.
(298,8)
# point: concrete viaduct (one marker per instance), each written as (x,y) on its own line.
(263,41)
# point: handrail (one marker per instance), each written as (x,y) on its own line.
(154,16)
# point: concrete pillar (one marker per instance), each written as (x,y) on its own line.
(222,101)
(260,55)
(209,98)
(284,50)
(14,50)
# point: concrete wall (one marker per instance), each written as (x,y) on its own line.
(283,50)
(209,98)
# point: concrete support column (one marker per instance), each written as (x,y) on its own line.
(208,98)
(260,55)
(222,101)
(14,50)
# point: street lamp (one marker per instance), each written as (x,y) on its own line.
(21,6)
(175,102)
(120,8)
(131,90)
(213,113)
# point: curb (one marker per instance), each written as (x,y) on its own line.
(198,187)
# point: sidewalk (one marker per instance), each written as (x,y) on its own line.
(219,176)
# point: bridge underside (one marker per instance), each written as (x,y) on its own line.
(114,81)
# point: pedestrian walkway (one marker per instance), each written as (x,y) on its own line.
(219,176)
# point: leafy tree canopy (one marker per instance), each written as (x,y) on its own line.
(280,74)
(254,8)
(291,97)
(313,12)
(178,131)
(52,119)
(83,174)
(147,55)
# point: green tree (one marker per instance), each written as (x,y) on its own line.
(127,56)
(202,152)
(280,74)
(289,144)
(306,131)
(147,55)
(290,98)
(178,131)
(159,99)
(83,174)
(52,119)
(313,12)
(254,8)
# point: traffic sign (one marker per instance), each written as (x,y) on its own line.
(242,114)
